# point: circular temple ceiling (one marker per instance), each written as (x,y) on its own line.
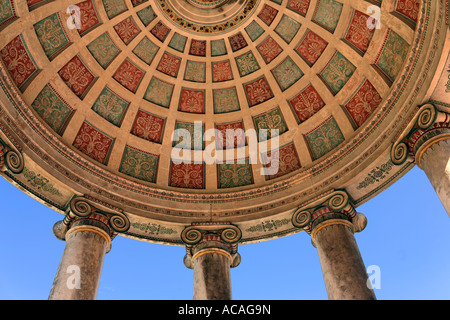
(104,98)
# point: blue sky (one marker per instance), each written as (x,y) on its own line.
(407,237)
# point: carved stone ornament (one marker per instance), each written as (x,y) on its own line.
(80,209)
(333,205)
(406,148)
(11,159)
(221,237)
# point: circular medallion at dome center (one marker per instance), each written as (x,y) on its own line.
(207,16)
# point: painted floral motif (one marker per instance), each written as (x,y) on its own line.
(218,48)
(36,180)
(270,120)
(363,103)
(114,7)
(287,73)
(127,29)
(146,15)
(139,164)
(269,49)
(306,104)
(221,71)
(258,91)
(146,50)
(93,143)
(7,12)
(159,92)
(148,126)
(408,8)
(324,138)
(103,50)
(393,55)
(153,228)
(178,42)
(129,75)
(195,71)
(198,48)
(269,226)
(169,64)
(327,14)
(187,175)
(338,71)
(358,34)
(376,175)
(196,134)
(89,19)
(192,101)
(19,63)
(268,14)
(254,30)
(52,109)
(299,6)
(160,31)
(77,76)
(247,64)
(285,159)
(237,42)
(51,35)
(110,106)
(311,47)
(287,28)
(234,174)
(225,100)
(230,135)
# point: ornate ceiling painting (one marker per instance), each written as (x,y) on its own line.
(91,100)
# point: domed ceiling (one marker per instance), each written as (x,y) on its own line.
(94,91)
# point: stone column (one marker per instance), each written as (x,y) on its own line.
(426,141)
(331,221)
(211,252)
(79,271)
(88,232)
(435,161)
(342,266)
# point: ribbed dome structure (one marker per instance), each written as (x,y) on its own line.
(93,92)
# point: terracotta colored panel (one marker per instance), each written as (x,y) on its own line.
(93,143)
(187,175)
(19,62)
(77,76)
(148,126)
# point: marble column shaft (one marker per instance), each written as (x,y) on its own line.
(435,162)
(342,266)
(212,279)
(78,275)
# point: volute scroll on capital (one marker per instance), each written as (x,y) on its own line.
(81,210)
(10,159)
(211,237)
(429,125)
(335,205)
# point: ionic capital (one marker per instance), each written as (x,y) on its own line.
(211,237)
(83,215)
(428,127)
(335,205)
